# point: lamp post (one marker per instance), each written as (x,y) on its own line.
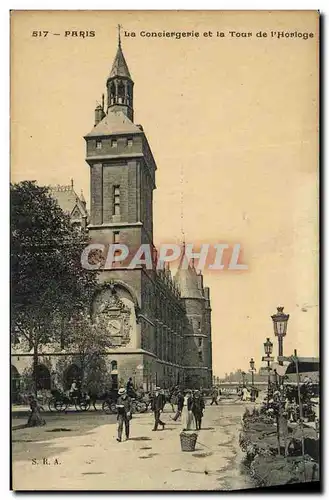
(243,378)
(268,348)
(252,368)
(280,323)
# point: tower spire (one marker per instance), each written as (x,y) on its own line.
(119,35)
(120,84)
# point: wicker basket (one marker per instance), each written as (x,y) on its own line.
(188,440)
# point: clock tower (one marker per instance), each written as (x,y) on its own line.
(122,180)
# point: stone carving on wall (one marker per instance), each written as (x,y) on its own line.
(117,316)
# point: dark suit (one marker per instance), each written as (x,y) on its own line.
(180,404)
(124,411)
(157,406)
(197,410)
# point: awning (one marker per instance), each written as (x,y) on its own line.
(304,365)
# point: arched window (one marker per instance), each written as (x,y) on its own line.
(121,93)
(114,365)
(73,372)
(43,377)
(112,93)
(128,96)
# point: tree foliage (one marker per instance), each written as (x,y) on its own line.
(48,283)
(89,341)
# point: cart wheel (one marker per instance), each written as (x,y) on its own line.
(51,404)
(83,405)
(106,407)
(60,406)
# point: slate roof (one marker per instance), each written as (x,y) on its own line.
(119,67)
(187,280)
(115,122)
(69,201)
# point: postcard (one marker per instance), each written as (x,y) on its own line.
(164,250)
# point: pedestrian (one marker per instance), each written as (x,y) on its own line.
(197,409)
(180,405)
(35,418)
(123,406)
(157,407)
(73,392)
(130,388)
(214,396)
(172,398)
(187,414)
(164,395)
(245,394)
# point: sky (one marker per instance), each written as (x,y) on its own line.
(233,125)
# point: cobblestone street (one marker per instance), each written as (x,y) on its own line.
(80,452)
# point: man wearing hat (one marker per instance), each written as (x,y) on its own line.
(198,408)
(124,412)
(157,407)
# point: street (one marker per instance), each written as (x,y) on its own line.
(79,451)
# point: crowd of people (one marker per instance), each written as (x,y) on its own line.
(189,404)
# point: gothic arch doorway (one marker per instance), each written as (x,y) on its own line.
(43,377)
(73,372)
(15,384)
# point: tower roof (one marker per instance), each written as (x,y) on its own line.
(119,67)
(68,199)
(115,122)
(187,279)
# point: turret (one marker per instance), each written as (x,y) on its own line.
(99,112)
(120,86)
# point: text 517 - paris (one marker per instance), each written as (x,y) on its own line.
(65,34)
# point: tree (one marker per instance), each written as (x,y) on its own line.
(48,283)
(89,340)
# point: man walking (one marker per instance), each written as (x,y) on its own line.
(157,406)
(214,396)
(123,413)
(197,409)
(130,388)
(180,405)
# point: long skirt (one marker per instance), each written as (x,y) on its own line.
(188,420)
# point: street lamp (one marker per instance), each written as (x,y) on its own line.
(252,368)
(243,378)
(280,323)
(268,348)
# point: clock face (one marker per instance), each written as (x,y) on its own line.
(115,326)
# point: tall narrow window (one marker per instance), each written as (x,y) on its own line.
(98,144)
(200,342)
(112,94)
(114,143)
(121,93)
(116,198)
(200,356)
(129,142)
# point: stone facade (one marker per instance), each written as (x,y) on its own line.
(162,330)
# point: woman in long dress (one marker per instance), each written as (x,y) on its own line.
(188,420)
